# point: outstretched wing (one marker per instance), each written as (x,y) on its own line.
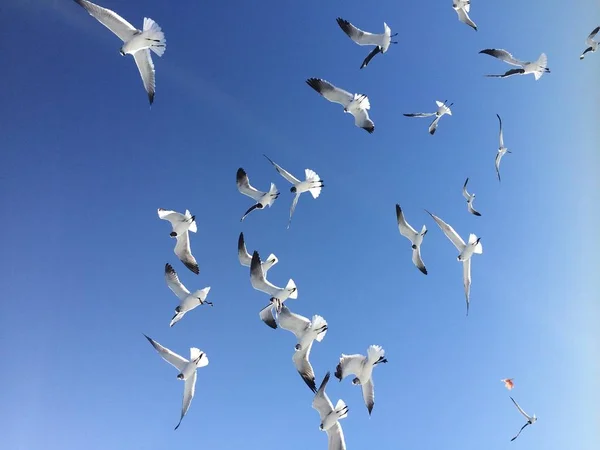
(172,358)
(284,173)
(463,16)
(368,391)
(330,92)
(349,364)
(295,323)
(357,35)
(174,284)
(362,120)
(303,365)
(188,394)
(110,19)
(184,253)
(293,208)
(508,73)
(244,186)
(520,409)
(370,56)
(419,114)
(592,35)
(503,55)
(449,232)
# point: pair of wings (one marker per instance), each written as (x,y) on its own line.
(410,233)
(323,405)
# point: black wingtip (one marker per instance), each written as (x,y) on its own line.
(240,174)
(338,372)
(423,270)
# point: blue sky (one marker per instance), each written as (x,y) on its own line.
(85,163)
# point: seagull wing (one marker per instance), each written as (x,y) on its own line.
(418,261)
(519,431)
(449,232)
(508,73)
(520,409)
(465,193)
(463,16)
(419,114)
(293,208)
(590,38)
(349,364)
(244,186)
(321,401)
(243,255)
(144,63)
(368,391)
(362,120)
(188,395)
(467,281)
(472,210)
(295,323)
(303,365)
(174,284)
(171,357)
(434,125)
(330,92)
(110,19)
(501,136)
(171,216)
(359,36)
(335,438)
(370,56)
(257,277)
(503,55)
(499,156)
(405,229)
(184,253)
(284,173)
(266,315)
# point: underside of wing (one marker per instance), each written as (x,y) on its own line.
(243,255)
(335,438)
(419,114)
(449,232)
(174,283)
(188,394)
(295,323)
(284,173)
(357,35)
(418,261)
(303,366)
(502,55)
(244,186)
(403,226)
(171,357)
(144,63)
(184,252)
(362,120)
(349,364)
(110,19)
(330,92)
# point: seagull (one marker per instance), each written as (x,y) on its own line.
(137,43)
(187,370)
(306,331)
(415,238)
(502,150)
(442,109)
(312,184)
(330,416)
(465,252)
(181,225)
(380,41)
(508,383)
(188,301)
(470,198)
(278,295)
(530,419)
(362,368)
(262,199)
(537,68)
(592,44)
(462,8)
(246,259)
(355,104)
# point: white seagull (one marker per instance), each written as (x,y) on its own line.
(187,300)
(591,43)
(137,43)
(312,184)
(182,224)
(530,419)
(330,417)
(306,331)
(470,198)
(246,259)
(278,295)
(187,370)
(362,368)
(442,109)
(462,8)
(415,238)
(465,252)
(502,150)
(537,68)
(262,199)
(380,41)
(355,104)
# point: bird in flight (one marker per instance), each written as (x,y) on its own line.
(530,419)
(381,41)
(416,239)
(470,198)
(502,150)
(591,43)
(462,8)
(441,111)
(187,300)
(262,199)
(330,416)
(537,68)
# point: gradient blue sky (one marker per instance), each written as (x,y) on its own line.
(85,163)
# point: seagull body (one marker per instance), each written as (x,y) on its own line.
(188,301)
(182,224)
(362,368)
(462,8)
(262,199)
(246,259)
(306,331)
(137,43)
(470,198)
(313,184)
(355,104)
(415,238)
(442,110)
(278,295)
(537,68)
(502,150)
(508,383)
(187,371)
(530,419)
(473,246)
(591,43)
(380,41)
(330,417)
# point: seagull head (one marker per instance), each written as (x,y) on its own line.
(178,309)
(298,347)
(293,189)
(356,381)
(180,376)
(321,426)
(122,52)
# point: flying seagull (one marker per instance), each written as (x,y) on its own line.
(187,300)
(187,371)
(262,199)
(182,224)
(465,252)
(508,383)
(330,416)
(462,8)
(530,419)
(137,43)
(355,104)
(442,109)
(246,259)
(380,41)
(278,295)
(312,184)
(415,238)
(502,150)
(470,198)
(537,68)
(362,368)
(306,331)
(591,43)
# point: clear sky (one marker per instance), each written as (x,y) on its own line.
(84,164)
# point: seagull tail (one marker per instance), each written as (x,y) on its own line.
(341,409)
(291,285)
(375,353)
(201,294)
(319,323)
(155,35)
